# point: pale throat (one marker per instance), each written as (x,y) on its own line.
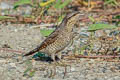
(70,25)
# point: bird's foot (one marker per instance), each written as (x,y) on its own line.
(60,63)
(63,64)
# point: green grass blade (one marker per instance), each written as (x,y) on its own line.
(46,32)
(100,26)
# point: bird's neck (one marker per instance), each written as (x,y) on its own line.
(70,25)
(69,28)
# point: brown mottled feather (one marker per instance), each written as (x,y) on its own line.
(51,39)
(53,36)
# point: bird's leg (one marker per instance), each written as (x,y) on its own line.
(59,55)
(60,62)
(53,57)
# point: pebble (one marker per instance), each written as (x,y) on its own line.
(72,69)
(12,64)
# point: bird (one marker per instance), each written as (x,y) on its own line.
(60,38)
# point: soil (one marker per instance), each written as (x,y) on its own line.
(22,38)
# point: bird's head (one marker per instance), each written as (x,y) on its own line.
(73,16)
(71,20)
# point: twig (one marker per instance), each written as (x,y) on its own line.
(103,56)
(10,50)
(45,25)
(108,60)
(87,19)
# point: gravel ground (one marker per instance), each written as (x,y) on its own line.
(24,38)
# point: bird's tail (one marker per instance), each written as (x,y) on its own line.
(32,51)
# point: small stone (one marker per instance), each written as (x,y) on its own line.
(13,64)
(72,69)
(16,30)
(92,60)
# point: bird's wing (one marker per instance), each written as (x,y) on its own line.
(49,40)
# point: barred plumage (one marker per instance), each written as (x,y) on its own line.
(59,39)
